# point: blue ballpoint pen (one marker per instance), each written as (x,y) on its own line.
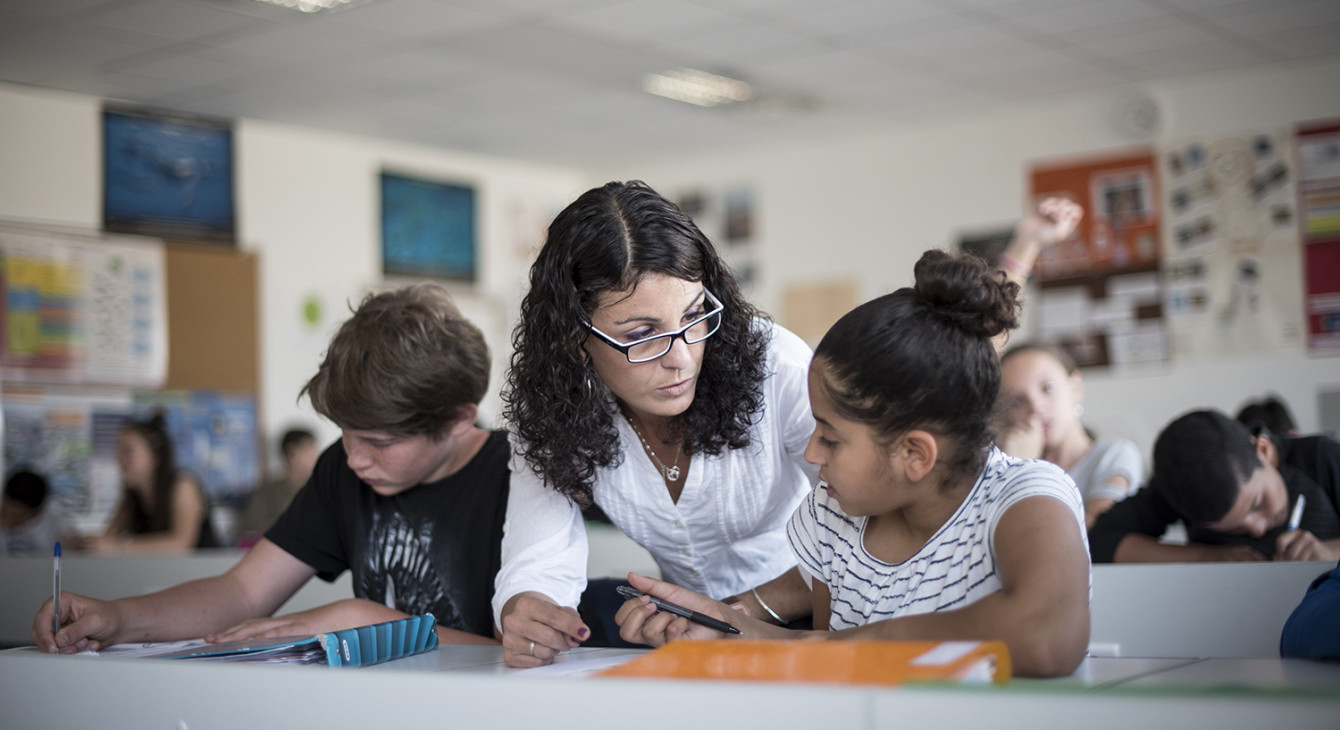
(55,592)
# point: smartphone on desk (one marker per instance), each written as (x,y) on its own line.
(678,610)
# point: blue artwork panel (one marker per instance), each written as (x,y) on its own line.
(428,228)
(168,176)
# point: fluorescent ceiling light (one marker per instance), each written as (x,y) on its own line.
(308,6)
(697,87)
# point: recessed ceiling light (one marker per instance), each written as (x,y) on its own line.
(308,6)
(697,87)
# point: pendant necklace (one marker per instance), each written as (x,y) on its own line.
(670,474)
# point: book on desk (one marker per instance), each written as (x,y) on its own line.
(842,662)
(354,647)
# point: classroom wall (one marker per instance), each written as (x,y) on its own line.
(308,207)
(873,201)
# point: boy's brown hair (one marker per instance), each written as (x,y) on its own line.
(404,363)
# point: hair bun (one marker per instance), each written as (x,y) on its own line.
(966,292)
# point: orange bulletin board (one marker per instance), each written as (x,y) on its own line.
(1120,230)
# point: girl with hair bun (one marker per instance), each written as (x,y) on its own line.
(920,528)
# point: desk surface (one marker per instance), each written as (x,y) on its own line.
(469,686)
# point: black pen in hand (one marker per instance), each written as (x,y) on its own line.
(694,616)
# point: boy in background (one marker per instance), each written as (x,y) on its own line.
(30,522)
(299,451)
(411,500)
(1235,490)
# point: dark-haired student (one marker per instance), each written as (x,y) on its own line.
(410,500)
(162,508)
(920,529)
(1234,491)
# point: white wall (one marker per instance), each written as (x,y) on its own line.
(872,202)
(307,206)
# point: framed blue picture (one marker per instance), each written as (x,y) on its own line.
(167,175)
(428,228)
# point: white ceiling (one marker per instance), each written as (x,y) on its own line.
(559,80)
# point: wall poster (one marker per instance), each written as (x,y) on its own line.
(1231,253)
(1319,200)
(1099,291)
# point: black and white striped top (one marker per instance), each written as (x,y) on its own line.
(954,569)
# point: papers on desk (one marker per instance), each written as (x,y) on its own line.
(360,646)
(844,662)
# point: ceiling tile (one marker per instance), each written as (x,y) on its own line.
(182,21)
(1087,15)
(641,21)
(1251,19)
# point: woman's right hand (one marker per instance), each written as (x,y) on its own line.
(535,630)
(87,624)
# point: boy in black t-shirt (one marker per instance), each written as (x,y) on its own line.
(1235,491)
(411,500)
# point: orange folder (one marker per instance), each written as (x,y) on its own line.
(839,662)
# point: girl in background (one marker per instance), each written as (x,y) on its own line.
(1042,395)
(161,509)
(920,529)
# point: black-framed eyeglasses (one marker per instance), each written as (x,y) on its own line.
(650,348)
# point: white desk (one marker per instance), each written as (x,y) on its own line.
(469,687)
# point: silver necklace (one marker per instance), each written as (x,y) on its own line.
(670,474)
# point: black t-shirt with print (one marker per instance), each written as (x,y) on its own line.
(435,547)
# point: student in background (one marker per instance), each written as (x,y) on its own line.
(1234,490)
(410,500)
(162,508)
(920,529)
(268,501)
(1313,629)
(1042,399)
(1270,412)
(30,520)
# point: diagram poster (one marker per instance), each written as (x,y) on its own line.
(87,311)
(1232,260)
(1099,295)
(1319,203)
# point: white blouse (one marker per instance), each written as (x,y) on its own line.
(727,532)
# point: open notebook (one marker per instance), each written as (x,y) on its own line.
(356,647)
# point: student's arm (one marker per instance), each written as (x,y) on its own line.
(188,509)
(1145,549)
(345,614)
(260,582)
(1042,609)
(787,595)
(1052,222)
(1139,520)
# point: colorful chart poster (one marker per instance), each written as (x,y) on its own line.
(76,310)
(1232,259)
(1319,203)
(1099,294)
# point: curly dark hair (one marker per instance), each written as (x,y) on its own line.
(608,240)
(922,357)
